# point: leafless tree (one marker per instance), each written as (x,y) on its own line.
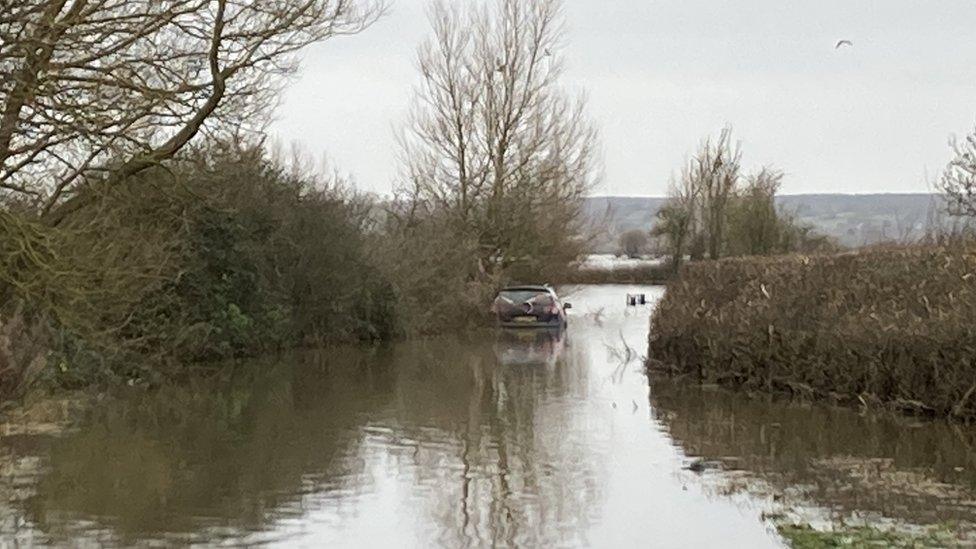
(958,182)
(104,89)
(676,220)
(493,140)
(697,211)
(714,172)
(713,209)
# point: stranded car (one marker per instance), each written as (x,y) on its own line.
(529,307)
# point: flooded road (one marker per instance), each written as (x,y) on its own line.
(531,439)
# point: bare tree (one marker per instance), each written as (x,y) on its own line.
(713,209)
(492,139)
(676,219)
(714,171)
(696,214)
(958,182)
(104,89)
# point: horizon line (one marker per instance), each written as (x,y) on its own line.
(778,195)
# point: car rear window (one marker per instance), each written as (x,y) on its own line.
(522,296)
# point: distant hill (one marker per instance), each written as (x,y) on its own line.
(852,219)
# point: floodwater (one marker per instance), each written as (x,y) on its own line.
(490,439)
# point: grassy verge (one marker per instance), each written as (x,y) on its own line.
(895,326)
(641,274)
(805,537)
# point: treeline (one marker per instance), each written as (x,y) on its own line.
(224,253)
(714,210)
(141,247)
(886,326)
(122,247)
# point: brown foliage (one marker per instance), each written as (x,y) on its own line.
(895,324)
(639,274)
(434,266)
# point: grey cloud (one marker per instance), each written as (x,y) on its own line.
(661,75)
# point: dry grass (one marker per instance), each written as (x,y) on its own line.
(640,274)
(889,325)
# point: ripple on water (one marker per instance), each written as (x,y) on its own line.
(485,439)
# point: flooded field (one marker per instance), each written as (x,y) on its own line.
(512,439)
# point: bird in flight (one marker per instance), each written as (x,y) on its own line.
(843,43)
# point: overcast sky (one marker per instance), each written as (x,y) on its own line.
(662,74)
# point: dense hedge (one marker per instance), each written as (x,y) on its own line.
(226,253)
(639,274)
(894,325)
(230,251)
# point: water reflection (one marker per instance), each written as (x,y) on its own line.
(217,452)
(511,439)
(847,464)
(462,440)
(532,347)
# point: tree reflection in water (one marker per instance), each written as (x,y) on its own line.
(476,425)
(849,464)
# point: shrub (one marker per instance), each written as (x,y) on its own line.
(434,270)
(73,288)
(634,243)
(226,253)
(895,324)
(270,259)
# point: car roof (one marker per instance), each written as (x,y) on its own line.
(530,288)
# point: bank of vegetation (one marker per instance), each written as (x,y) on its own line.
(804,536)
(887,326)
(890,325)
(650,273)
(146,225)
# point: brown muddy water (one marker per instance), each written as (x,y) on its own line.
(494,439)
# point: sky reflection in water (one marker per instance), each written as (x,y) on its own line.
(512,439)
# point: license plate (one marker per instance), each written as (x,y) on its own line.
(525,319)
